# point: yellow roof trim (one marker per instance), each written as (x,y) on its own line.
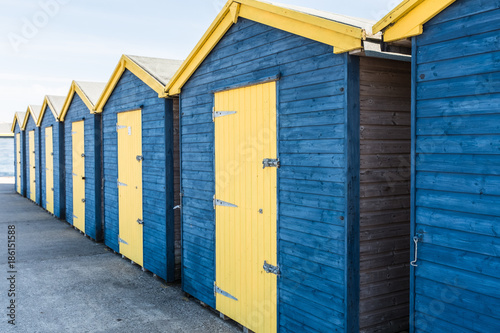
(16,118)
(341,36)
(46,102)
(408,18)
(28,113)
(127,63)
(75,88)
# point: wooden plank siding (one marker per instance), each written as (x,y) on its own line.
(17,130)
(59,189)
(385,135)
(177,190)
(158,234)
(312,177)
(30,126)
(78,111)
(457,170)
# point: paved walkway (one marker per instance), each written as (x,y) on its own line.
(68,283)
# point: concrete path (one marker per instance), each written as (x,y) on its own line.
(65,282)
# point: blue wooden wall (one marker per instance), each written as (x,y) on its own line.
(457,169)
(313,186)
(158,245)
(30,126)
(78,111)
(17,129)
(49,121)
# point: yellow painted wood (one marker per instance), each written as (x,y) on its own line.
(18,164)
(46,103)
(78,158)
(246,235)
(408,18)
(130,185)
(74,89)
(32,186)
(49,170)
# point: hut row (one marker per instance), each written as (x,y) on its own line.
(300,171)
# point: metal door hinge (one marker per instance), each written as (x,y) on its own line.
(120,184)
(217,290)
(140,221)
(218,202)
(139,158)
(74,174)
(217,114)
(268,268)
(73,132)
(119,127)
(416,239)
(271,163)
(122,241)
(75,217)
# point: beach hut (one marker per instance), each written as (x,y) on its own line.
(455,228)
(32,153)
(295,146)
(82,158)
(52,155)
(140,166)
(19,153)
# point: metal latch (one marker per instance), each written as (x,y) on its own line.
(83,155)
(217,114)
(177,207)
(122,241)
(51,154)
(140,221)
(139,158)
(218,202)
(83,178)
(52,189)
(268,268)
(271,163)
(416,239)
(217,290)
(83,200)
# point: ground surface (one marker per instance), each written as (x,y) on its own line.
(68,283)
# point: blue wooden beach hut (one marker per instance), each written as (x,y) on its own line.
(32,153)
(295,146)
(19,168)
(455,229)
(140,167)
(52,155)
(82,158)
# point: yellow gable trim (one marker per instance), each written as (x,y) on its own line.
(16,119)
(408,18)
(127,63)
(341,36)
(46,103)
(75,88)
(26,117)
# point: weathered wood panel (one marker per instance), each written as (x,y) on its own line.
(31,126)
(385,136)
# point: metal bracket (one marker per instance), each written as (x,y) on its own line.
(119,127)
(271,163)
(120,184)
(122,241)
(177,207)
(140,221)
(268,268)
(218,202)
(139,158)
(217,114)
(217,290)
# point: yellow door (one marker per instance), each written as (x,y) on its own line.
(130,185)
(78,148)
(18,164)
(49,170)
(245,206)
(32,186)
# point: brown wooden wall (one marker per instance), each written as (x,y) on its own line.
(385,135)
(177,184)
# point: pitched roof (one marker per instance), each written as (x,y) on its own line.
(409,17)
(344,33)
(34,111)
(89,92)
(154,72)
(19,117)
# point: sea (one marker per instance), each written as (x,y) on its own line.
(7,157)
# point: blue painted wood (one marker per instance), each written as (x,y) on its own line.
(31,126)
(78,111)
(158,174)
(21,148)
(456,168)
(316,180)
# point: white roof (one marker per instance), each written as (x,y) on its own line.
(161,69)
(92,90)
(57,102)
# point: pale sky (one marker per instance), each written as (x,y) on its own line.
(45,44)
